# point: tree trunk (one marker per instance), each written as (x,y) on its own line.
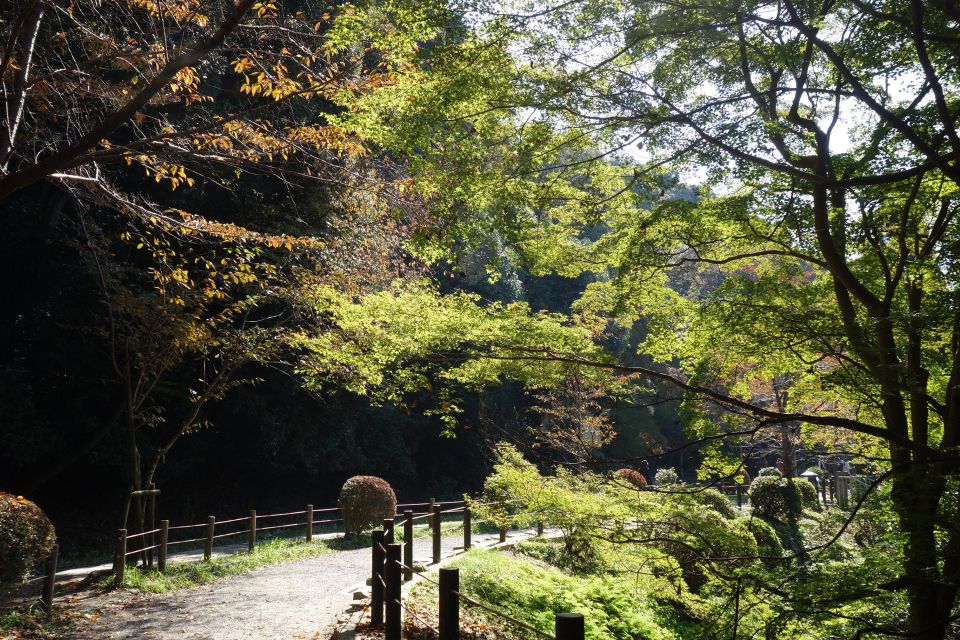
(916,497)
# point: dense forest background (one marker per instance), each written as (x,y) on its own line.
(272,444)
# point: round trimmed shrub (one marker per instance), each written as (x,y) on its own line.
(632,476)
(26,537)
(775,497)
(365,501)
(666,477)
(808,494)
(768,542)
(769,471)
(715,500)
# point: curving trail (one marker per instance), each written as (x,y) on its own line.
(300,599)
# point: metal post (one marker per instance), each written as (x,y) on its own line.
(376,577)
(388,530)
(408,544)
(391,576)
(208,543)
(449,626)
(120,557)
(569,626)
(50,579)
(467,529)
(436,533)
(252,535)
(309,522)
(162,552)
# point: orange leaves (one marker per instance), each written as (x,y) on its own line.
(182,11)
(161,170)
(263,9)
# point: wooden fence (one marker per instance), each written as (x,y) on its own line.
(388,572)
(163,538)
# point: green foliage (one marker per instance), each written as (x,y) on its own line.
(777,498)
(36,623)
(612,608)
(769,472)
(808,494)
(665,478)
(516,494)
(768,542)
(714,499)
(390,344)
(182,575)
(365,501)
(26,537)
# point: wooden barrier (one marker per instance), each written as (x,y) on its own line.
(50,579)
(408,544)
(208,542)
(252,534)
(376,579)
(388,530)
(309,522)
(449,604)
(436,533)
(162,552)
(392,595)
(467,529)
(120,557)
(569,626)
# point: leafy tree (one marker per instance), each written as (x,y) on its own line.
(826,134)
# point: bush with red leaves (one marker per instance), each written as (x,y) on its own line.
(26,537)
(364,501)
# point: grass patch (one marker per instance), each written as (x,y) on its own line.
(180,575)
(532,591)
(32,621)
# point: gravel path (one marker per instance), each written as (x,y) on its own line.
(292,600)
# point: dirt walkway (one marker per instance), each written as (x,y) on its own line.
(293,600)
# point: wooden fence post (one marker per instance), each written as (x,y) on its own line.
(467,529)
(739,496)
(540,527)
(50,579)
(436,533)
(162,552)
(151,517)
(408,544)
(376,579)
(309,522)
(449,626)
(252,535)
(120,557)
(388,531)
(208,543)
(569,626)
(503,534)
(391,578)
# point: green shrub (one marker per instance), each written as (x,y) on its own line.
(26,537)
(769,471)
(365,501)
(808,494)
(714,499)
(612,608)
(632,476)
(768,542)
(666,477)
(775,497)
